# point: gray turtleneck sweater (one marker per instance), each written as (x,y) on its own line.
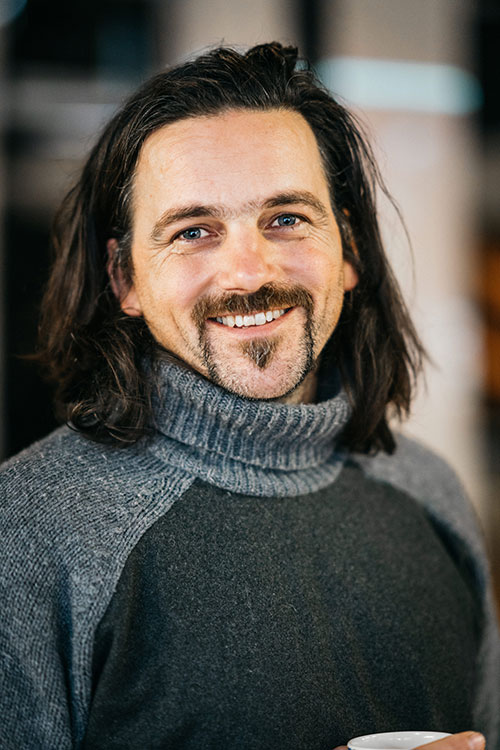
(236,582)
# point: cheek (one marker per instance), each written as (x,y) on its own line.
(318,271)
(189,278)
(174,287)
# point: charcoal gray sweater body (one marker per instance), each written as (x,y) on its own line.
(237,582)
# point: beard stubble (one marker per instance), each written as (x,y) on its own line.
(260,351)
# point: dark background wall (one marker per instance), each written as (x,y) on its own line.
(67,66)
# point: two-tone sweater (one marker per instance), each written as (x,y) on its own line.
(237,581)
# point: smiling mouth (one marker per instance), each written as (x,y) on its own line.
(256,319)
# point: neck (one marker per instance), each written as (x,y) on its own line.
(305,393)
(253,447)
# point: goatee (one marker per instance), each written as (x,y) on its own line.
(260,351)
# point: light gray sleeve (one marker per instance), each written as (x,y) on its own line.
(70,514)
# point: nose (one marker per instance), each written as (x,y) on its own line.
(247,261)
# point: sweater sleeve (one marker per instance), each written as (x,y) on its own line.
(71,512)
(434,485)
(35,699)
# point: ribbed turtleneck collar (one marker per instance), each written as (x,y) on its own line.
(253,447)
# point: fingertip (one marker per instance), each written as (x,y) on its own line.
(460,741)
(475,740)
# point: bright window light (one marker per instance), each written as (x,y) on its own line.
(401,85)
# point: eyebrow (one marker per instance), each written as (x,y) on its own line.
(198,210)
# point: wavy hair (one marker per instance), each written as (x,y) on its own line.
(98,357)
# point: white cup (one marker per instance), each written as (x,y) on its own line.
(394,740)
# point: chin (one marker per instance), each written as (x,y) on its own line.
(255,394)
(259,387)
(262,369)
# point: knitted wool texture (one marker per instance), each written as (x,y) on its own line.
(73,510)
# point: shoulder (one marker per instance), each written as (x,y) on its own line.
(65,491)
(414,468)
(66,464)
(47,477)
(70,513)
(430,481)
(56,459)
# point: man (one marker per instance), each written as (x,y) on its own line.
(230,548)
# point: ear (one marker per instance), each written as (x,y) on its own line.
(123,290)
(351,277)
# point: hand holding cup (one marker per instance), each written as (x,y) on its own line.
(417,741)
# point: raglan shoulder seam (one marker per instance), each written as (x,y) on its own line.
(66,537)
(430,481)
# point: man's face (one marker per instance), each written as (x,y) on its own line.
(237,260)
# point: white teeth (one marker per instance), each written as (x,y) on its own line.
(259,319)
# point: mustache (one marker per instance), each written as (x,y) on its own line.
(270,296)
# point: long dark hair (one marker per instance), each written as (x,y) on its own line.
(97,355)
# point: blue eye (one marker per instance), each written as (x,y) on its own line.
(287,220)
(193,233)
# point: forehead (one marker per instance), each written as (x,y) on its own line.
(236,155)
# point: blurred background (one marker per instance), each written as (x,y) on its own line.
(425,79)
